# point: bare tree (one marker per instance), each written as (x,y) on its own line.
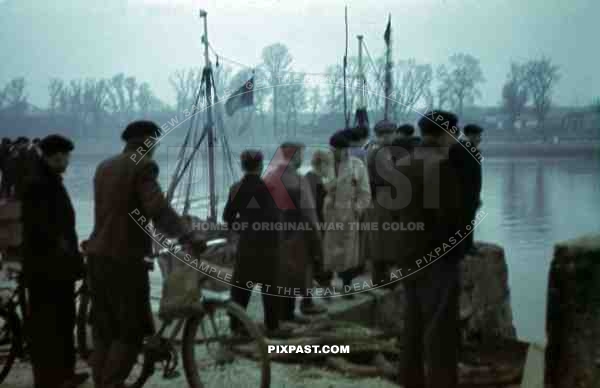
(293,100)
(442,91)
(541,76)
(117,95)
(276,63)
(514,92)
(14,95)
(334,98)
(95,100)
(375,74)
(413,82)
(130,85)
(459,80)
(145,99)
(55,89)
(186,84)
(314,102)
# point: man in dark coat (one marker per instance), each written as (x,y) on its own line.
(432,254)
(127,196)
(52,264)
(466,158)
(250,205)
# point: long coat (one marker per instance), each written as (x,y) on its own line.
(434,192)
(52,263)
(348,196)
(51,250)
(468,164)
(251,206)
(300,249)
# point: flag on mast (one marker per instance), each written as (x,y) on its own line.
(241,98)
(388,67)
(388,31)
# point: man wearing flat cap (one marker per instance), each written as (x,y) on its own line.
(432,291)
(127,196)
(52,264)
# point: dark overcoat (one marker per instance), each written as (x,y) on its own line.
(251,211)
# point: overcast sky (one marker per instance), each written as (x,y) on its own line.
(151,38)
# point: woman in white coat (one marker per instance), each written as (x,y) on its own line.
(348,196)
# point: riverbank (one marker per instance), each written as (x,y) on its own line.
(541,150)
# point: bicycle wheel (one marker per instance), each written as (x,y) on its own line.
(9,340)
(83,327)
(214,356)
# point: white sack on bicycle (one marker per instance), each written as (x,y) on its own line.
(181,288)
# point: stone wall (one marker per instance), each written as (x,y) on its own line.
(486,312)
(573,314)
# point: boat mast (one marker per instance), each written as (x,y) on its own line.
(207,75)
(361,74)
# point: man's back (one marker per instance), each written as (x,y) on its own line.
(127,196)
(251,205)
(466,159)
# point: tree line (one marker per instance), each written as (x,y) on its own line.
(452,85)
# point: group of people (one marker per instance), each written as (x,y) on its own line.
(433,181)
(117,274)
(353,181)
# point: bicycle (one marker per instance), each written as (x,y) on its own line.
(13,318)
(208,346)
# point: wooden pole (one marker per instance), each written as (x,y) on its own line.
(206,73)
(346,116)
(361,73)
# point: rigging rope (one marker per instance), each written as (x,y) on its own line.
(373,65)
(178,174)
(346,117)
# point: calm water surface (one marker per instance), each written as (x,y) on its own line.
(530,204)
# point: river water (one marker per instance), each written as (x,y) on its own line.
(531,203)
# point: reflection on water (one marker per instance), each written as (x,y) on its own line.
(531,204)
